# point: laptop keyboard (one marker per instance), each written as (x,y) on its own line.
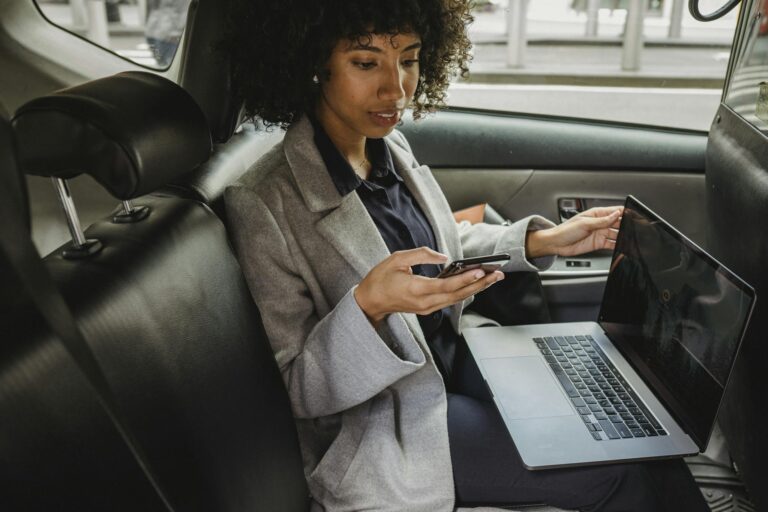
(608,405)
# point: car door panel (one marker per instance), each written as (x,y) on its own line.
(486,139)
(518,193)
(524,164)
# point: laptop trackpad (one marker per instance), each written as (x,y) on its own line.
(526,388)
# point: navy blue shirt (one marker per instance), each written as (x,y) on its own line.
(397,215)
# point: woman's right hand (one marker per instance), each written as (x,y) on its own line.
(392,287)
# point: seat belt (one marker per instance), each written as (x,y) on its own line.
(17,247)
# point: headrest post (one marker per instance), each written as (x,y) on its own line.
(73,221)
(130,213)
(80,246)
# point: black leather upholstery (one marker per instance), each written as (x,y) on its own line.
(737,206)
(124,130)
(228,162)
(49,455)
(166,311)
(58,448)
(205,67)
(172,322)
(8,170)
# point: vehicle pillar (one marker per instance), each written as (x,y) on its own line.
(97,23)
(593,13)
(633,36)
(516,33)
(676,19)
(79,13)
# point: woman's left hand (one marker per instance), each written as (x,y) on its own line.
(588,231)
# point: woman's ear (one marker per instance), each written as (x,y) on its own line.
(324,74)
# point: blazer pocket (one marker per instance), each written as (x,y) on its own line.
(333,466)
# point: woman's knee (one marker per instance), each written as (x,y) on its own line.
(627,487)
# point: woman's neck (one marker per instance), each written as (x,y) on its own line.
(350,144)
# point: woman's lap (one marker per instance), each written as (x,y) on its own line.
(487,468)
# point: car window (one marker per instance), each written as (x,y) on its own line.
(747,91)
(569,57)
(146,32)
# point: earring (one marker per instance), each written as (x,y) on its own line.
(315,80)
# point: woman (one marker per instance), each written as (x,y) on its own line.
(341,232)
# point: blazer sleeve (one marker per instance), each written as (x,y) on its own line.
(481,239)
(328,364)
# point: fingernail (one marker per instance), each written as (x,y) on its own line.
(479,274)
(499,277)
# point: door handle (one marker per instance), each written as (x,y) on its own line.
(567,207)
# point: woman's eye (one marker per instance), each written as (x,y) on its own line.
(410,63)
(364,65)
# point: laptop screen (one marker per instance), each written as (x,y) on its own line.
(676,314)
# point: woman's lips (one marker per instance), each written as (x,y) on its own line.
(386,119)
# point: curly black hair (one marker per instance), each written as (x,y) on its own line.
(277,46)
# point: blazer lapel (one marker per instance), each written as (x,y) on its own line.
(430,198)
(353,234)
(426,191)
(347,225)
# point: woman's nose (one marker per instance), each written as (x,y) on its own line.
(392,86)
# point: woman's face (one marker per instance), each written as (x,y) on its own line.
(368,85)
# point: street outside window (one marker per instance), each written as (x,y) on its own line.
(147,32)
(634,61)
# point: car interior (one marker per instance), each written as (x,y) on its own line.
(135,373)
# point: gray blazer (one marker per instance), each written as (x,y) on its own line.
(370,405)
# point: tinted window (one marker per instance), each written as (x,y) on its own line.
(572,61)
(147,32)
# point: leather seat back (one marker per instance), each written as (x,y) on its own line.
(737,206)
(166,311)
(57,444)
(168,314)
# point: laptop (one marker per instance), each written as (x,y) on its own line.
(643,382)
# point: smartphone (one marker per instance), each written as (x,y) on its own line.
(487,263)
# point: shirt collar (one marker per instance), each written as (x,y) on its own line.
(343,176)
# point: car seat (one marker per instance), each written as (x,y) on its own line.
(163,307)
(736,205)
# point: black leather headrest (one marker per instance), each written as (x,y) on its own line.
(206,70)
(132,132)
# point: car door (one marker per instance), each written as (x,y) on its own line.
(563,109)
(521,164)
